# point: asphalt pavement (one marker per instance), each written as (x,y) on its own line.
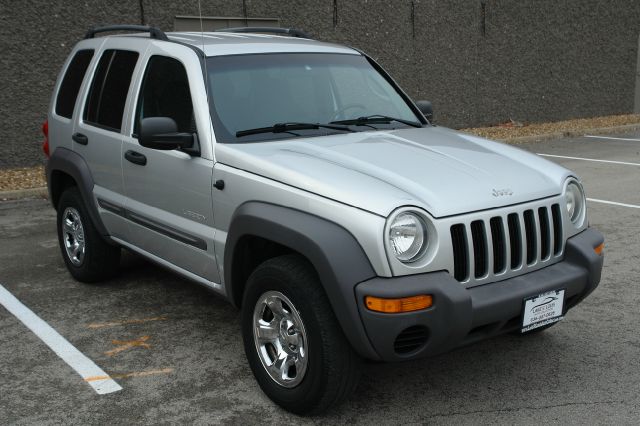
(176,349)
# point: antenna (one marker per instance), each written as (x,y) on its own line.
(201,25)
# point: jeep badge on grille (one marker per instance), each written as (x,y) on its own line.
(502,192)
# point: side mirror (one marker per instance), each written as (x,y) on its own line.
(426,109)
(162,133)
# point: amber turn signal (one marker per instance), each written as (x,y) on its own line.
(599,250)
(394,306)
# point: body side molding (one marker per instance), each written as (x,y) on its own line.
(151,224)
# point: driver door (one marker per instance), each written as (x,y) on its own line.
(168,193)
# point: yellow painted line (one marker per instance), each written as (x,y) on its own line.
(134,374)
(123,345)
(125,322)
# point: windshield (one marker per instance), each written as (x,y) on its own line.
(264,97)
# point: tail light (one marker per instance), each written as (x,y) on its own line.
(45,132)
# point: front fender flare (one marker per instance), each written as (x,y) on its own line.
(334,252)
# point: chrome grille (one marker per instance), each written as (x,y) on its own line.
(506,243)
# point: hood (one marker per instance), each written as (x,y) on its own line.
(434,168)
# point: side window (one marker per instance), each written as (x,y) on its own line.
(108,92)
(71,82)
(165,93)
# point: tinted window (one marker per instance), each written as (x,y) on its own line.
(70,86)
(165,93)
(108,93)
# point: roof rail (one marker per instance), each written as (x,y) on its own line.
(153,31)
(273,30)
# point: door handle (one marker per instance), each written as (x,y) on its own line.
(135,157)
(80,138)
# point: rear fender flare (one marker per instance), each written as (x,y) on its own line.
(72,164)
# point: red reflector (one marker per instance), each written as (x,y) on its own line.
(45,132)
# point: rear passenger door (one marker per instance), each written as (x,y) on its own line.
(169,192)
(97,135)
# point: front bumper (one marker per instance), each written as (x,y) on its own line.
(460,315)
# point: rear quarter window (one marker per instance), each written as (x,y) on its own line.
(108,93)
(71,82)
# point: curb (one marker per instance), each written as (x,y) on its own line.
(572,134)
(20,194)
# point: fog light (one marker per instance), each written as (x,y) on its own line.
(394,306)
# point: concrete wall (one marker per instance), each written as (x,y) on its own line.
(480,61)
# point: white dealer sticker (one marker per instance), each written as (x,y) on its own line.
(542,310)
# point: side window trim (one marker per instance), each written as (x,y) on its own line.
(81,101)
(146,62)
(132,103)
(138,100)
(89,90)
(104,81)
(86,92)
(136,79)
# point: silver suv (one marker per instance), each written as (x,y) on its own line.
(298,181)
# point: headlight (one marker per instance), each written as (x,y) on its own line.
(575,202)
(407,237)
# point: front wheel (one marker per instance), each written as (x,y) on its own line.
(292,340)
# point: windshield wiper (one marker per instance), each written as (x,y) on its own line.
(376,119)
(288,127)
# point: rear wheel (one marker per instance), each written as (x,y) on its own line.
(89,258)
(293,342)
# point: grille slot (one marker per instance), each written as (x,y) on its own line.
(557,229)
(479,248)
(530,233)
(506,243)
(459,240)
(498,242)
(515,240)
(545,233)
(411,339)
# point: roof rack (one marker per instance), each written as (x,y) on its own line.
(154,32)
(272,30)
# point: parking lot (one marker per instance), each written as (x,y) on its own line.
(175,349)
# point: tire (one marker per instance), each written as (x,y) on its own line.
(89,258)
(329,370)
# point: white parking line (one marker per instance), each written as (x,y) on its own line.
(595,200)
(88,370)
(611,137)
(624,163)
